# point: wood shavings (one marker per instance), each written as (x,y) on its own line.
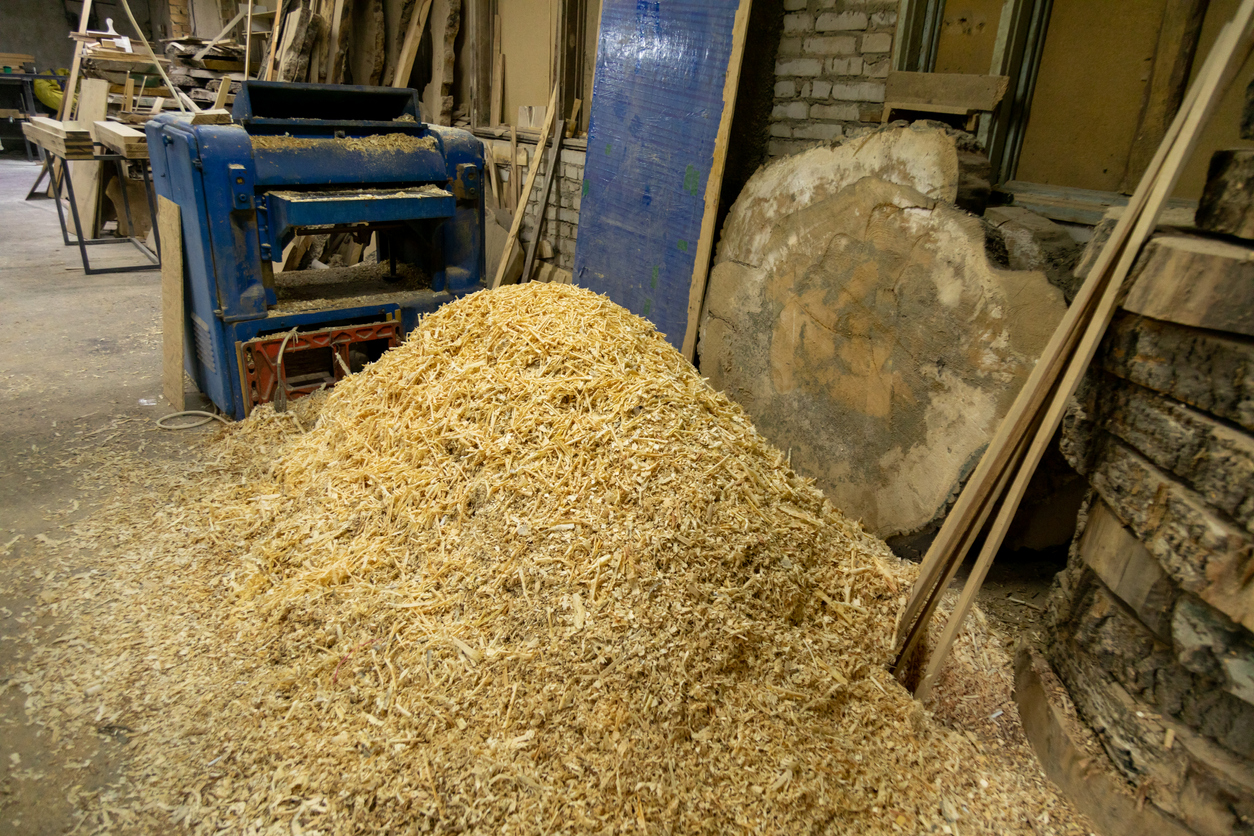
(527,573)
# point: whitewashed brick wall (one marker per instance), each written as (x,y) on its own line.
(829,74)
(561,215)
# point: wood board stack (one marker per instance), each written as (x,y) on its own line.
(71,140)
(198,68)
(1150,624)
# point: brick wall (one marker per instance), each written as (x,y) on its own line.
(180,19)
(561,216)
(829,73)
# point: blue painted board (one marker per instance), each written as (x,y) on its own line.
(656,107)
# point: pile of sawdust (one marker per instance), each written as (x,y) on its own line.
(527,573)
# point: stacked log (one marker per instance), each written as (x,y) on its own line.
(1149,626)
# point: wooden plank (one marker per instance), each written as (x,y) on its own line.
(1057,735)
(960,91)
(173,315)
(212,117)
(71,84)
(409,50)
(268,72)
(714,182)
(551,165)
(1173,59)
(573,123)
(526,192)
(128,95)
(1127,568)
(1189,280)
(513,169)
(93,104)
(219,99)
(1160,179)
(122,139)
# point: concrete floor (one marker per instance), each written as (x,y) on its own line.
(80,366)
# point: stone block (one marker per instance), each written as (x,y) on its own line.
(884,19)
(789,47)
(820,90)
(800,67)
(844,66)
(794,5)
(832,45)
(796,23)
(786,147)
(879,42)
(840,21)
(879,69)
(791,110)
(805,90)
(841,112)
(785,89)
(817,130)
(780,131)
(864,91)
(570,216)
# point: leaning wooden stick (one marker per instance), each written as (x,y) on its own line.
(526,192)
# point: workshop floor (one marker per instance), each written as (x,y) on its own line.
(80,374)
(80,377)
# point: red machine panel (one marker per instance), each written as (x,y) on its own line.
(310,359)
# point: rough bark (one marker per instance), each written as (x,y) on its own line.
(1227,203)
(1210,371)
(1201,550)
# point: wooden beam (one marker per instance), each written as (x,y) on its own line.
(526,192)
(1169,76)
(960,92)
(173,315)
(714,181)
(513,168)
(122,139)
(409,51)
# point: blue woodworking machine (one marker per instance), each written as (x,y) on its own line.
(313,160)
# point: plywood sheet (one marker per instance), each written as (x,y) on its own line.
(657,105)
(1089,93)
(967,36)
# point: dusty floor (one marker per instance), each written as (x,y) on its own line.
(80,370)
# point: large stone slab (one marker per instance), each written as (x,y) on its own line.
(872,339)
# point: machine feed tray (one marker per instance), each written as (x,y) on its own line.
(291,209)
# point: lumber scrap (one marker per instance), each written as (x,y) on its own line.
(267,73)
(526,192)
(1039,408)
(122,139)
(1227,204)
(299,33)
(1191,280)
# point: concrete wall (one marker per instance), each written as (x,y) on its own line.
(833,58)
